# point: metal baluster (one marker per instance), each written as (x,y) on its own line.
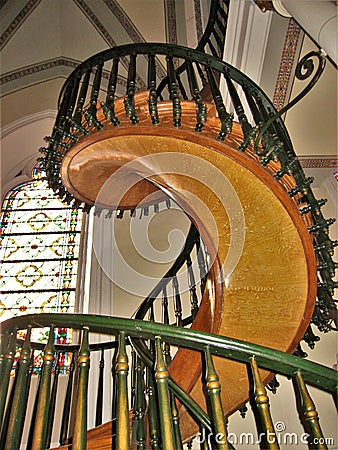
(152,101)
(173,89)
(41,418)
(165,312)
(214,52)
(310,414)
(3,345)
(201,109)
(219,42)
(310,338)
(221,28)
(33,417)
(192,288)
(176,423)
(5,421)
(114,396)
(140,406)
(161,377)
(91,113)
(72,101)
(29,377)
(224,116)
(131,86)
(108,107)
(299,352)
(52,401)
(165,320)
(152,411)
(67,404)
(258,119)
(19,402)
(270,137)
(6,372)
(265,113)
(178,303)
(99,398)
(201,265)
(201,74)
(80,426)
(263,407)
(133,379)
(248,131)
(133,395)
(151,313)
(206,440)
(64,107)
(77,121)
(214,390)
(122,408)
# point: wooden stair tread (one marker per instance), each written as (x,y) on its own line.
(99,437)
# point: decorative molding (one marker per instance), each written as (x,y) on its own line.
(318,162)
(131,30)
(106,35)
(47,65)
(170,18)
(280,9)
(35,68)
(18,21)
(3,3)
(171,24)
(293,39)
(124,20)
(24,14)
(198,19)
(88,12)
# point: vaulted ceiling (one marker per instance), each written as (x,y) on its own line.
(43,40)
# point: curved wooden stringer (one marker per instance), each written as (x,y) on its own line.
(263,284)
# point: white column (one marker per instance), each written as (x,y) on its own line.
(317,18)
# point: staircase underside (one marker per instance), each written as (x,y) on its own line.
(267,292)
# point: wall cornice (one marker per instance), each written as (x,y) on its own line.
(17,22)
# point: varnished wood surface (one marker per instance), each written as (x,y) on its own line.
(269,298)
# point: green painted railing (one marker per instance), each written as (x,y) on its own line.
(154,409)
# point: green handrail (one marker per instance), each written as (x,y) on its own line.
(267,358)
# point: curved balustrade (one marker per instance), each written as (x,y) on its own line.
(89,110)
(155,400)
(211,42)
(185,258)
(241,135)
(176,298)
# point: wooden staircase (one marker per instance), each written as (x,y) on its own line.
(266,241)
(254,303)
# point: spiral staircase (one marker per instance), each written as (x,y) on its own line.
(257,262)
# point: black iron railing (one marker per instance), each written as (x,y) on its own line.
(264,136)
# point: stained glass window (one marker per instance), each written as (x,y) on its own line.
(39,252)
